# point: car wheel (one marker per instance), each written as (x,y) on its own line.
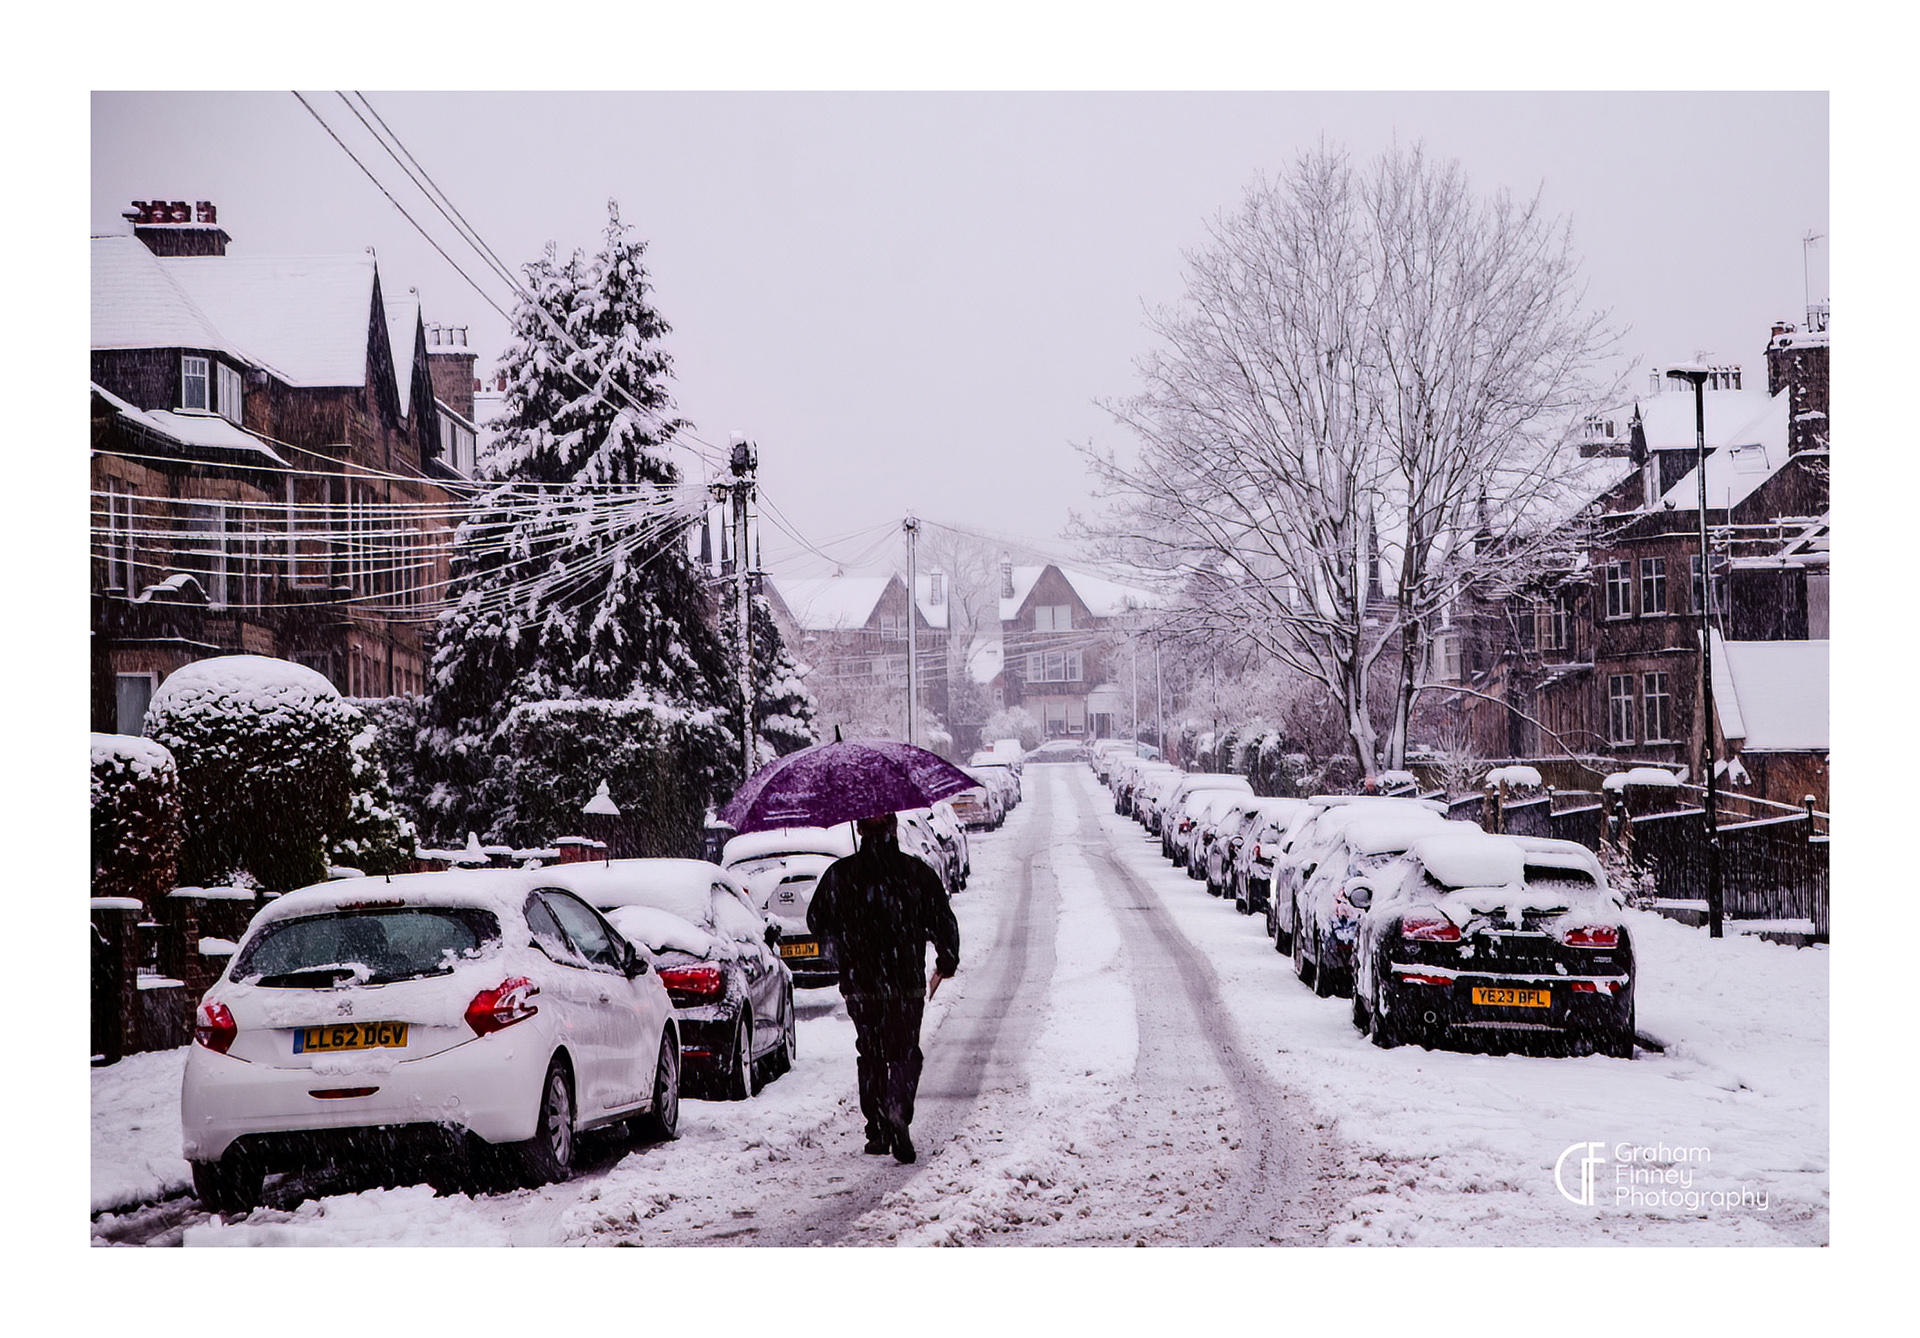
(662,1123)
(1297,941)
(1282,941)
(231,1185)
(1241,900)
(547,1157)
(738,1084)
(1360,1019)
(1385,1031)
(789,1039)
(1326,979)
(1619,1044)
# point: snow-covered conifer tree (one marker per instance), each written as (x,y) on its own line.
(570,577)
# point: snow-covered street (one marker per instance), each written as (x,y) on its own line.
(1124,1060)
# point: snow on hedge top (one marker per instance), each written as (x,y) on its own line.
(1639,776)
(141,756)
(1514,776)
(249,685)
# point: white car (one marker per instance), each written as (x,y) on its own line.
(780,869)
(438,1012)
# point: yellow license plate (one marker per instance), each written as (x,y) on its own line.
(350,1036)
(799,949)
(1486,994)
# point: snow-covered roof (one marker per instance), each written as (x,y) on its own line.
(138,304)
(1103,598)
(403,331)
(1747,456)
(985,660)
(831,603)
(193,429)
(1670,420)
(304,316)
(1773,694)
(935,614)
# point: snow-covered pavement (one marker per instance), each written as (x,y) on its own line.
(1082,1106)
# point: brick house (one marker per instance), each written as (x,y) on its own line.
(1059,630)
(1608,651)
(853,630)
(272,442)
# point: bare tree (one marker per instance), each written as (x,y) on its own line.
(1363,407)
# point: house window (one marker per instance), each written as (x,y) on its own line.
(1553,623)
(1053,618)
(131,694)
(193,383)
(119,537)
(1653,586)
(892,628)
(232,392)
(1657,704)
(1619,590)
(1446,658)
(1620,708)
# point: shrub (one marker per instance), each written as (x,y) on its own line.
(265,754)
(136,812)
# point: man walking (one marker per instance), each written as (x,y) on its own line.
(880,907)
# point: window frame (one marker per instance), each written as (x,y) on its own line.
(1653,586)
(1617,579)
(1650,692)
(203,376)
(229,384)
(1620,706)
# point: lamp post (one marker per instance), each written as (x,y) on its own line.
(1695,375)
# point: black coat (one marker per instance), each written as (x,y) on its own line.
(880,907)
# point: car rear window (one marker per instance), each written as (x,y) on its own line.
(366,947)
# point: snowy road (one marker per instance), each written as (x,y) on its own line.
(1123,1060)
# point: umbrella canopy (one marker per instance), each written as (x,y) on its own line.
(843,781)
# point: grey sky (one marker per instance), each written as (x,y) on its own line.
(913,300)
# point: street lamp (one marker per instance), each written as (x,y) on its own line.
(1696,375)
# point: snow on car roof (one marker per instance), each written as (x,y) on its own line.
(1470,858)
(661,931)
(682,886)
(834,841)
(1384,834)
(502,891)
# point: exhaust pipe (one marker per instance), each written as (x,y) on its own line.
(1430,1017)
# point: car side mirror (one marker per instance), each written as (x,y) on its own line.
(636,962)
(773,936)
(1360,897)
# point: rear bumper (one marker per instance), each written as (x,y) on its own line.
(1428,997)
(489,1087)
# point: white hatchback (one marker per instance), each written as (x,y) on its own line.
(428,1013)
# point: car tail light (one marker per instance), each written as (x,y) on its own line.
(1594,986)
(214,1028)
(703,980)
(1591,936)
(1411,978)
(508,1002)
(1429,929)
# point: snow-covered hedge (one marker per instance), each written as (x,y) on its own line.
(266,760)
(135,795)
(659,761)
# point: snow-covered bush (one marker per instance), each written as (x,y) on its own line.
(265,754)
(1629,877)
(1015,722)
(659,762)
(378,836)
(135,795)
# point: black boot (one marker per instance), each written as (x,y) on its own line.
(902,1145)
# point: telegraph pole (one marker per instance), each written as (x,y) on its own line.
(745,460)
(912,527)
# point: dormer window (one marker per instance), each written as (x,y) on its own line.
(194,390)
(232,392)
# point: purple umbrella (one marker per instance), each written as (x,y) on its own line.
(843,781)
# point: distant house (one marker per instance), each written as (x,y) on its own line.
(271,444)
(853,630)
(1059,631)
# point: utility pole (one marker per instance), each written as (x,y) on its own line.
(912,527)
(1696,376)
(745,460)
(1160,702)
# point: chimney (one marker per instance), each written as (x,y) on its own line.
(170,228)
(1006,576)
(451,362)
(1797,362)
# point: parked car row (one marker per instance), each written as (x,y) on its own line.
(1437,930)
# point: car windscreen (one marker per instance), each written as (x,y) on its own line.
(369,947)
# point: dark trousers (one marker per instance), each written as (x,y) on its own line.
(886,1037)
